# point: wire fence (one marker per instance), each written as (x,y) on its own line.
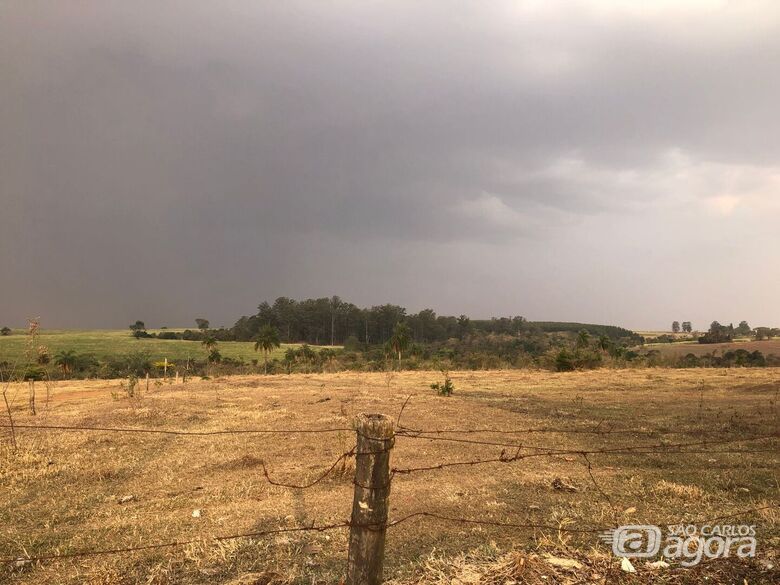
(511,452)
(349,524)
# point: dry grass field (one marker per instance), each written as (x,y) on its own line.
(60,491)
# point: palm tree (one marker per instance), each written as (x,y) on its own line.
(583,337)
(66,359)
(209,342)
(290,356)
(399,342)
(605,343)
(212,353)
(335,306)
(266,339)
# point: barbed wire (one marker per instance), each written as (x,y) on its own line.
(503,458)
(592,530)
(539,448)
(597,430)
(349,524)
(599,489)
(175,543)
(540,430)
(660,449)
(178,432)
(343,457)
(402,432)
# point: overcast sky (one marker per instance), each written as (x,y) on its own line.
(598,161)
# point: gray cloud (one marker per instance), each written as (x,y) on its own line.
(593,160)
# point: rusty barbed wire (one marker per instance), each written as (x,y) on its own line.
(179,432)
(98,552)
(420,436)
(403,432)
(597,430)
(343,457)
(660,449)
(349,524)
(592,530)
(531,430)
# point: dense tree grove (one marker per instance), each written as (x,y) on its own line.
(719,333)
(332,320)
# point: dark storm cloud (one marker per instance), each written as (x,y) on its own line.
(167,161)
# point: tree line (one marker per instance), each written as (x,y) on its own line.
(333,321)
(718,333)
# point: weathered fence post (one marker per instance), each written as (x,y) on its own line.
(375,439)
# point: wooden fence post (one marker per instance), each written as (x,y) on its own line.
(375,439)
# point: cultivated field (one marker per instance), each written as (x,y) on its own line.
(61,491)
(104,343)
(767,347)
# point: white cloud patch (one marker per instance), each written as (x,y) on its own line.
(491,209)
(724,204)
(672,179)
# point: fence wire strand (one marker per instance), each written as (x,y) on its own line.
(178,432)
(658,449)
(348,524)
(175,543)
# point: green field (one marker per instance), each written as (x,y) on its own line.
(103,343)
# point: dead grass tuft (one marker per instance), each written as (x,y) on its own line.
(669,488)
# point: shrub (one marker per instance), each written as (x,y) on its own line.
(138,363)
(132,383)
(446,387)
(564,361)
(34,374)
(689,361)
(352,344)
(43,357)
(168,335)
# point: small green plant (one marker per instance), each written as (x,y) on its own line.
(445,388)
(132,383)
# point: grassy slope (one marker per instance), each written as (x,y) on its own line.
(103,343)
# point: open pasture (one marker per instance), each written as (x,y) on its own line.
(106,343)
(84,490)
